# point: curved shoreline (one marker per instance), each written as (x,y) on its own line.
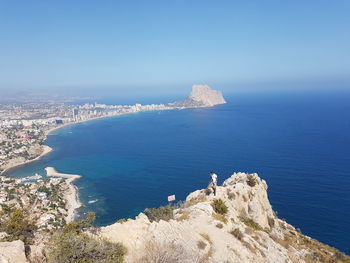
(71,193)
(46,150)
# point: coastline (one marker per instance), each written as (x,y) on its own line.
(70,194)
(46,150)
(47,132)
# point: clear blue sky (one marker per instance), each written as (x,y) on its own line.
(51,44)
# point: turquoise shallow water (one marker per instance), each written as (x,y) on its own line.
(299,143)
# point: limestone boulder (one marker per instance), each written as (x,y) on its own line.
(12,252)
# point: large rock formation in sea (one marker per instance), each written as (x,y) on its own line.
(201,96)
(200,231)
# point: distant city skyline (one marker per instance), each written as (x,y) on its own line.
(168,46)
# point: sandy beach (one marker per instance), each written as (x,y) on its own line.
(47,132)
(71,193)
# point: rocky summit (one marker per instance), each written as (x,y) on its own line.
(205,95)
(201,96)
(236,225)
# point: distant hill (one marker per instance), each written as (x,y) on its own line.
(201,96)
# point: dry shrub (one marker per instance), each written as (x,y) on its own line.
(219,217)
(121,221)
(283,242)
(251,181)
(168,252)
(210,252)
(67,247)
(72,244)
(219,225)
(230,194)
(185,215)
(162,213)
(250,247)
(237,234)
(248,231)
(201,245)
(206,237)
(195,201)
(251,223)
(271,222)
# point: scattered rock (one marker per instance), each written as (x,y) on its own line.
(12,252)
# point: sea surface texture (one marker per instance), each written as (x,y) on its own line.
(299,143)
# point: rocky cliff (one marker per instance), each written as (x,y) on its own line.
(202,230)
(236,225)
(201,96)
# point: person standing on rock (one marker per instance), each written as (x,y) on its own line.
(213,181)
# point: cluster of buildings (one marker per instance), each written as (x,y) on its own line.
(23,127)
(41,200)
(19,144)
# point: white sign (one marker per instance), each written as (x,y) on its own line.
(171,198)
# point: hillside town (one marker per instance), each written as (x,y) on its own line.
(41,201)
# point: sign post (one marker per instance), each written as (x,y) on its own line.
(171,198)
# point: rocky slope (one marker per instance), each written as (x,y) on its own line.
(236,225)
(201,96)
(12,252)
(248,232)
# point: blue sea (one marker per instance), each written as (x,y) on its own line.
(298,142)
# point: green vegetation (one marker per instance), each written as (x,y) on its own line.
(251,223)
(219,206)
(162,213)
(18,227)
(71,244)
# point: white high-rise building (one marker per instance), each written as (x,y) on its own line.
(75,114)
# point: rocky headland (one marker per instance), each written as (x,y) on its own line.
(236,225)
(201,96)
